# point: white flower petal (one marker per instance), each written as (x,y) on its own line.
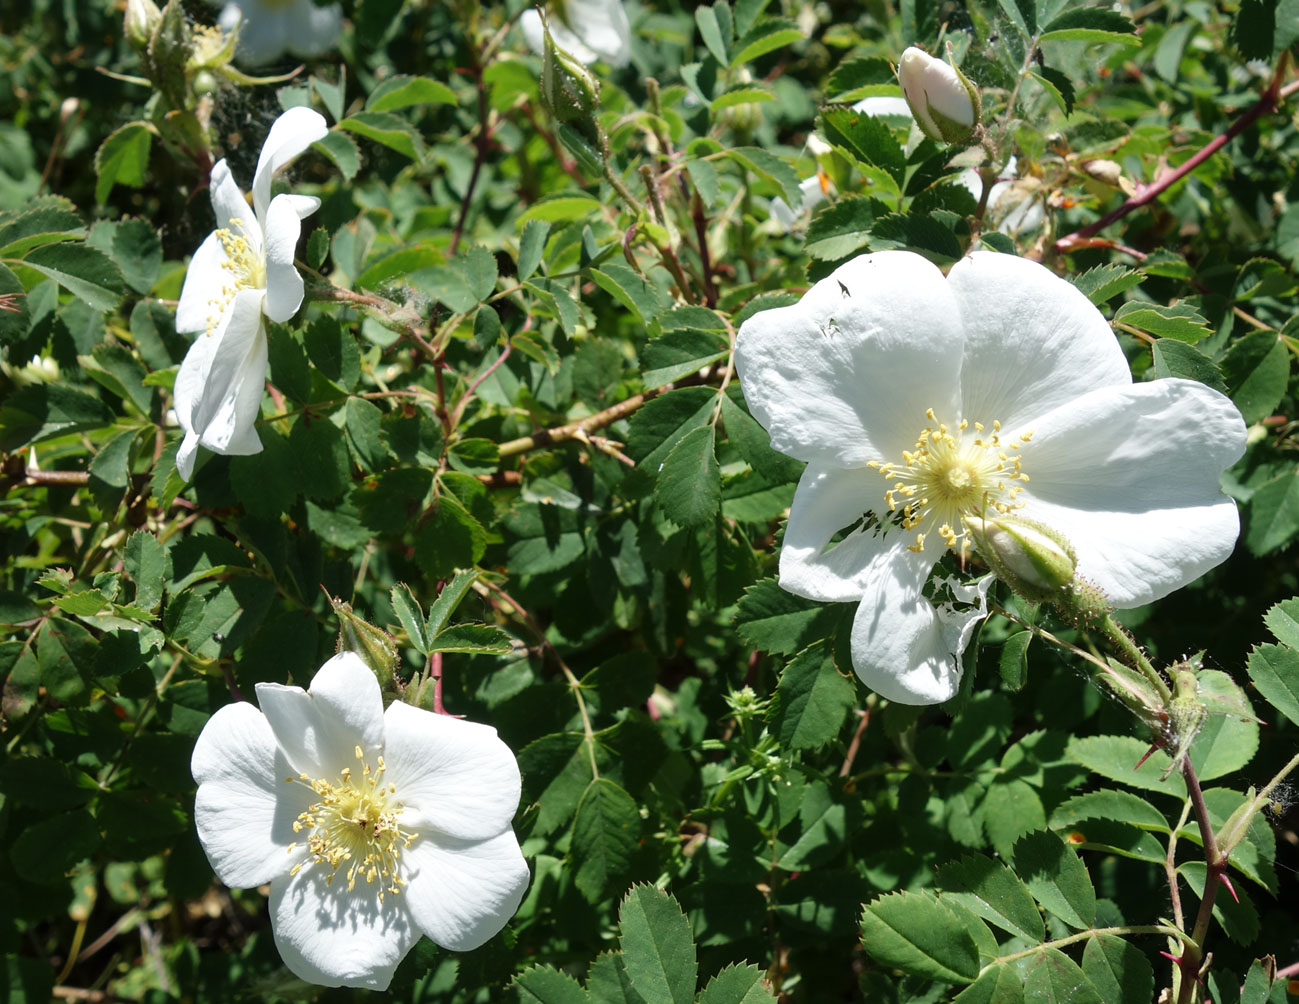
(904,647)
(206,293)
(827,500)
(462,893)
(244,811)
(603,27)
(883,105)
(320,730)
(332,937)
(265,32)
(317,29)
(453,776)
(283,225)
(290,134)
(231,210)
(221,394)
(844,376)
(1032,340)
(1130,475)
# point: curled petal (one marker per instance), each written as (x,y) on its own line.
(332,937)
(231,208)
(291,133)
(455,777)
(905,647)
(845,375)
(219,387)
(283,226)
(830,499)
(462,893)
(1032,340)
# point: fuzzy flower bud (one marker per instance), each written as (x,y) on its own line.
(944,103)
(375,646)
(142,16)
(568,90)
(1031,558)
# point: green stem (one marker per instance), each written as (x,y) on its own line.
(1133,656)
(1163,929)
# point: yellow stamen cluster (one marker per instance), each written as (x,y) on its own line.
(354,824)
(952,473)
(247,270)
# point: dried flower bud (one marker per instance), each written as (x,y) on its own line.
(1031,558)
(944,103)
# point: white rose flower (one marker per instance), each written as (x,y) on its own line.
(918,400)
(268,28)
(242,271)
(586,29)
(371,826)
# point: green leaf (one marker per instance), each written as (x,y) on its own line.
(1273,514)
(632,290)
(921,233)
(402,91)
(1274,670)
(137,250)
(710,27)
(480,270)
(1104,282)
(1282,619)
(866,138)
(123,159)
(751,439)
(340,148)
(841,227)
(14,318)
(743,94)
(41,411)
(1013,661)
(543,985)
(1258,983)
(1058,85)
(921,936)
(771,167)
(388,130)
(449,539)
(776,621)
(675,354)
(812,700)
(561,207)
(1181,322)
(532,245)
(999,984)
(1056,877)
(546,538)
(657,427)
(1010,809)
(1118,970)
(597,368)
(1116,758)
(704,177)
(825,825)
(1175,358)
(658,950)
(47,850)
(1090,24)
(764,37)
(1225,743)
(1257,370)
(407,609)
(1054,978)
(1109,804)
(146,562)
(473,639)
(43,224)
(993,892)
(737,984)
(1239,919)
(474,455)
(449,599)
(83,271)
(689,486)
(605,834)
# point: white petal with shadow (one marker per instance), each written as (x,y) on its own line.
(284,285)
(244,810)
(290,134)
(453,776)
(332,937)
(462,893)
(846,374)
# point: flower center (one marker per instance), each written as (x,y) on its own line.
(353,826)
(950,474)
(245,269)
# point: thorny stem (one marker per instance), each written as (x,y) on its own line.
(1132,654)
(1171,932)
(574,430)
(1170,865)
(863,719)
(435,674)
(1145,194)
(1216,867)
(573,682)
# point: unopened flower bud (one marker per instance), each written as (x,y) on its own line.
(1032,559)
(142,16)
(568,90)
(943,101)
(376,647)
(1186,715)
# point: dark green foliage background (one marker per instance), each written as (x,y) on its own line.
(731,758)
